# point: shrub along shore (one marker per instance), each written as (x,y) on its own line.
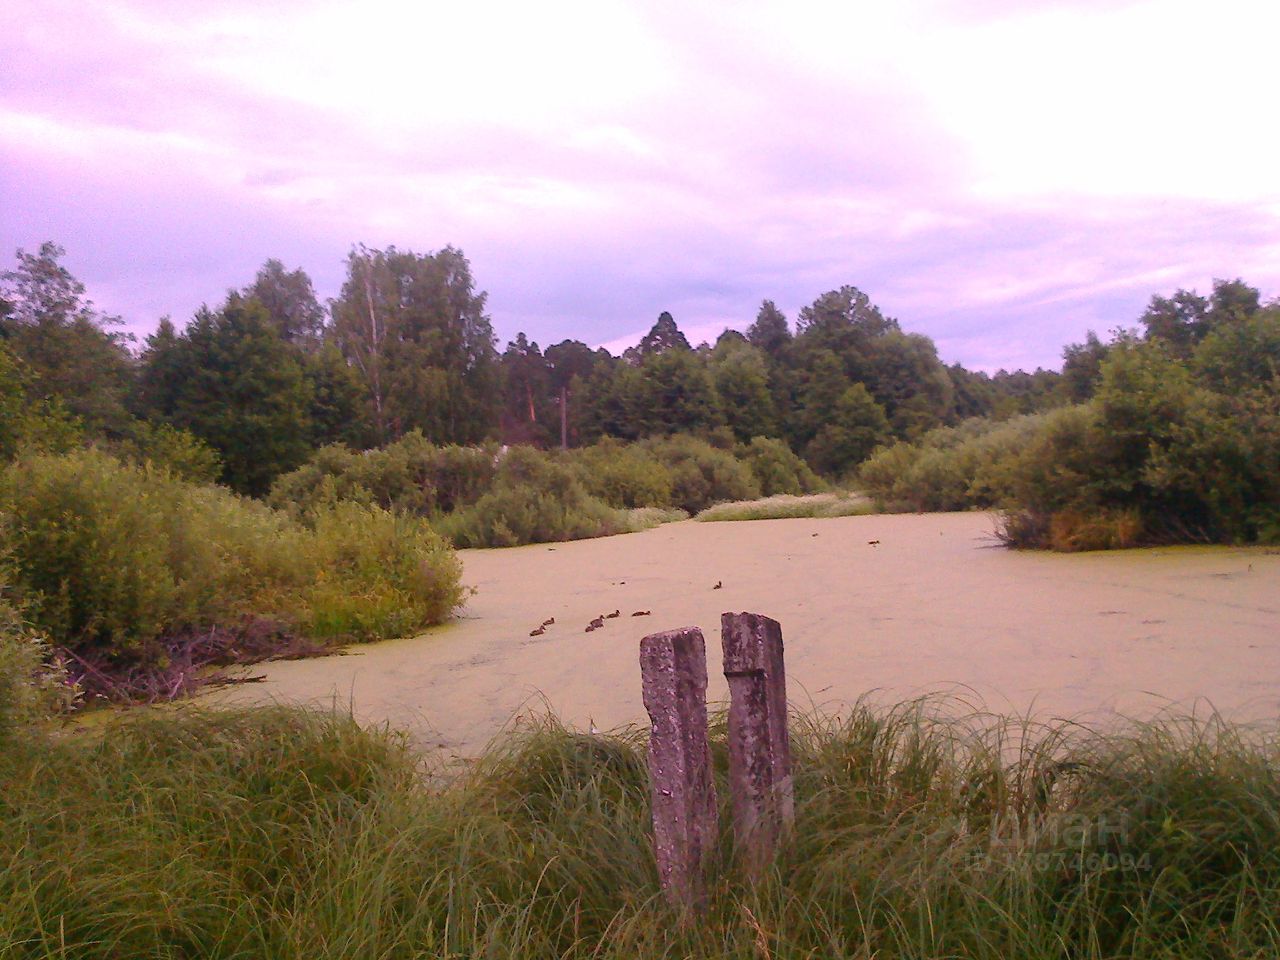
(1177,441)
(138,580)
(920,833)
(493,497)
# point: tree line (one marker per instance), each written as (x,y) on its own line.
(1173,435)
(271,374)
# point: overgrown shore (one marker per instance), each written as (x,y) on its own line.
(920,833)
(139,578)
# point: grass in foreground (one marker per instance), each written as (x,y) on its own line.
(273,833)
(784,506)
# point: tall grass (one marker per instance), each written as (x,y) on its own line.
(281,834)
(784,506)
(33,684)
(646,518)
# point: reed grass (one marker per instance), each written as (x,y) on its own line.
(646,518)
(785,506)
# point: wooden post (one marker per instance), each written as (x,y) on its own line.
(674,670)
(759,746)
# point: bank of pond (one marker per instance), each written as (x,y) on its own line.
(921,831)
(140,575)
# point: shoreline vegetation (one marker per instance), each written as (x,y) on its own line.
(138,580)
(922,830)
(786,506)
(1176,440)
(509,496)
(137,583)
(272,481)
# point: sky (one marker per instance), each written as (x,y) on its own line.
(1002,176)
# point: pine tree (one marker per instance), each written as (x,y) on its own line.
(664,335)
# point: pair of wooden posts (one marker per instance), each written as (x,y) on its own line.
(673,666)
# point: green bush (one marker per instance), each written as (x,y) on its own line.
(116,560)
(1047,472)
(535,499)
(1169,449)
(411,475)
(332,474)
(702,474)
(377,574)
(231,557)
(1224,459)
(777,469)
(1144,395)
(28,420)
(1043,462)
(180,452)
(884,474)
(460,475)
(1243,355)
(624,475)
(949,468)
(479,497)
(90,542)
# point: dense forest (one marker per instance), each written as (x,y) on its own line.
(393,394)
(271,375)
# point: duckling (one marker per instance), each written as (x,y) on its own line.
(597,623)
(549,621)
(641,613)
(616,613)
(719,585)
(590,627)
(537,633)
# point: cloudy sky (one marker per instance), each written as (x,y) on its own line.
(1000,175)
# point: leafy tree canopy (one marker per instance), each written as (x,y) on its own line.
(66,344)
(232,380)
(290,302)
(414,328)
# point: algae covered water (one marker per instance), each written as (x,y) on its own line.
(887,605)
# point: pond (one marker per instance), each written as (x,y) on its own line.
(890,606)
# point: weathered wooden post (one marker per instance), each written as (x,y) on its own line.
(759,746)
(673,665)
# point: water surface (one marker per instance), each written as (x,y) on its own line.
(896,604)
